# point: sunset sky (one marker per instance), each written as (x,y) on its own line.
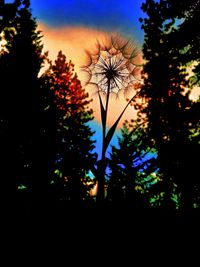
(74,26)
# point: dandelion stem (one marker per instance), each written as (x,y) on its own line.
(102,166)
(107,102)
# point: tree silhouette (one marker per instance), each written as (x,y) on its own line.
(24,146)
(188,13)
(189,34)
(8,183)
(74,136)
(131,167)
(168,105)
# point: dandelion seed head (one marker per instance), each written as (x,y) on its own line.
(112,67)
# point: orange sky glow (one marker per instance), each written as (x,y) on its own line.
(74,41)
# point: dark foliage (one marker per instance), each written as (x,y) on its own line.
(169,109)
(21,106)
(132,169)
(74,156)
(46,145)
(44,119)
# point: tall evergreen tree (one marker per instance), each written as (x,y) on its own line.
(131,166)
(24,152)
(188,13)
(74,143)
(169,107)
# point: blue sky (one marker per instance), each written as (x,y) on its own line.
(107,15)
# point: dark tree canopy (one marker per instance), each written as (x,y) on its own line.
(132,166)
(169,109)
(20,63)
(44,120)
(46,142)
(74,144)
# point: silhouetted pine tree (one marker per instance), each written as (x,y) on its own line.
(74,143)
(131,167)
(168,104)
(8,181)
(188,32)
(24,154)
